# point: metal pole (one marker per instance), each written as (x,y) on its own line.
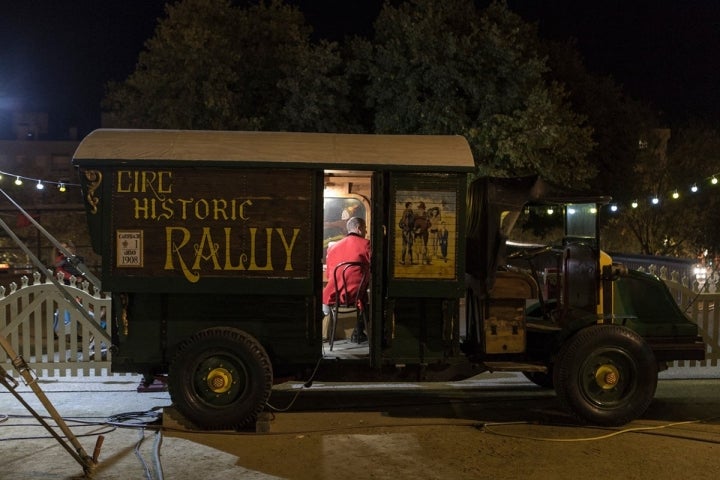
(71,256)
(71,301)
(86,462)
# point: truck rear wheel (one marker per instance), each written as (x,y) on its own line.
(220,378)
(606,375)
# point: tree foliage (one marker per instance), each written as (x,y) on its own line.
(433,67)
(443,67)
(317,93)
(618,122)
(211,65)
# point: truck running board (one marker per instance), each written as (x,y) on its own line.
(515,367)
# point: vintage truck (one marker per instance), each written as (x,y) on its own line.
(213,246)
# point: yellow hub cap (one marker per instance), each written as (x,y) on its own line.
(607,376)
(219,380)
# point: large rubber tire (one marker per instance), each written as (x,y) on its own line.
(220,378)
(606,375)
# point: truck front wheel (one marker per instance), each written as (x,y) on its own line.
(606,375)
(220,378)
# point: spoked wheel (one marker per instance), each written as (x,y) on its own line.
(220,379)
(606,375)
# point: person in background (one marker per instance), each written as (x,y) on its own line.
(353,248)
(63,265)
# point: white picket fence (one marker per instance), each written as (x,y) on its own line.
(50,332)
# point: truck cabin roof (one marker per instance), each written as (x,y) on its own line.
(418,153)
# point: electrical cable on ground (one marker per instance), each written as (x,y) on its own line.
(156,454)
(306,385)
(143,463)
(484,428)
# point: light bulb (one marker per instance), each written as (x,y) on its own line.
(694,188)
(676,195)
(634,204)
(39,185)
(18,181)
(61,187)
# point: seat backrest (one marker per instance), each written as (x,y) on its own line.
(350,283)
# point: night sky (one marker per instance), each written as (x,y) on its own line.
(57,55)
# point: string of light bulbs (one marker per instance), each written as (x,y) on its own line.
(39,183)
(655,200)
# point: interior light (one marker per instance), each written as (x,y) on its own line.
(18,181)
(39,185)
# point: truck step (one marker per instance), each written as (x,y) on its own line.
(515,367)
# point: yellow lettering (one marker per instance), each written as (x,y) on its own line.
(228,256)
(219,209)
(288,248)
(147,180)
(202,209)
(143,181)
(206,242)
(122,185)
(183,204)
(166,207)
(253,250)
(172,248)
(164,182)
(241,209)
(142,208)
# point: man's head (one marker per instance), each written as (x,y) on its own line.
(357,226)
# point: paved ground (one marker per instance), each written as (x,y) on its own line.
(309,444)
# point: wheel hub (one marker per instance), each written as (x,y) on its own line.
(219,380)
(607,376)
